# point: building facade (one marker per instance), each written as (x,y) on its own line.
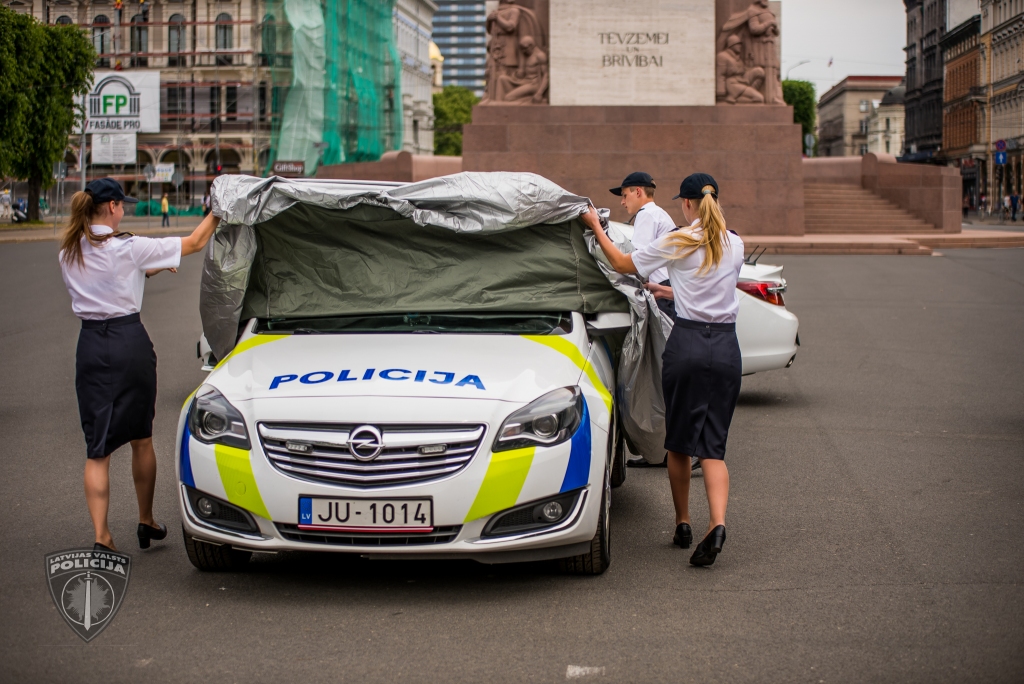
(844,114)
(964,106)
(926,25)
(461,35)
(1002,74)
(414,20)
(886,124)
(220,65)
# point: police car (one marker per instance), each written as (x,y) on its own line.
(484,436)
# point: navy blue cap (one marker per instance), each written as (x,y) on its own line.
(637,179)
(108,190)
(693,186)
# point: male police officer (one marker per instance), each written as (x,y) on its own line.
(650,222)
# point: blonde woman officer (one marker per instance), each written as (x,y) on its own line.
(115,365)
(701,365)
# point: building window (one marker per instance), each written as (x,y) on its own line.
(176,40)
(231,104)
(176,103)
(887,147)
(101,40)
(863,149)
(864,105)
(224,38)
(268,37)
(887,129)
(140,39)
(215,109)
(64,20)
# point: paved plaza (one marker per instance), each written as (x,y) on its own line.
(874,526)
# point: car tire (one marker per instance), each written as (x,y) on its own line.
(214,558)
(617,445)
(597,560)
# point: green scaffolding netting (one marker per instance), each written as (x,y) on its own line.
(334,80)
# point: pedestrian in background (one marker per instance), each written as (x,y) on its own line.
(1014,204)
(165,211)
(967,205)
(206,204)
(115,364)
(5,204)
(701,366)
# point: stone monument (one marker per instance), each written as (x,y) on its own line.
(517,59)
(654,88)
(605,52)
(747,48)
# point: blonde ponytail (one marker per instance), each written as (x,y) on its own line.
(83,209)
(712,238)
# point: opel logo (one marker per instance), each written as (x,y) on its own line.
(365,443)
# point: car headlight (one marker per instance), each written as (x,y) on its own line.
(215,421)
(552,419)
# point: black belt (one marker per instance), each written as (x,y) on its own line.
(701,325)
(110,322)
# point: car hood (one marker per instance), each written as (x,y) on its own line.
(498,367)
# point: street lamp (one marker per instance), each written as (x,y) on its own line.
(790,69)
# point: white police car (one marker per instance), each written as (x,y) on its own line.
(484,436)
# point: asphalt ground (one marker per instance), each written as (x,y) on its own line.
(874,526)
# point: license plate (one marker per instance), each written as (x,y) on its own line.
(366,515)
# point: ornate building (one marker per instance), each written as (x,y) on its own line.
(224,69)
(964,105)
(926,24)
(1002,28)
(844,112)
(886,123)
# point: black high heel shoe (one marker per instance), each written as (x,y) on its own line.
(146,533)
(709,548)
(101,547)
(683,536)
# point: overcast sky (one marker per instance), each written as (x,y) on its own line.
(863,37)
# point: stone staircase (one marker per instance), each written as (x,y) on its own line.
(831,208)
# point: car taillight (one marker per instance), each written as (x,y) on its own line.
(768,292)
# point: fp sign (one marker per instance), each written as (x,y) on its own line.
(124,102)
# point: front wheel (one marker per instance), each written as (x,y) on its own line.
(213,558)
(597,560)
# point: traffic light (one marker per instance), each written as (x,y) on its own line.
(219,168)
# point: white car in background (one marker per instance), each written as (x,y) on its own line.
(767,331)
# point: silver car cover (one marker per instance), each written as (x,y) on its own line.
(468,202)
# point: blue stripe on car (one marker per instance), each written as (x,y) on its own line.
(186,460)
(577,474)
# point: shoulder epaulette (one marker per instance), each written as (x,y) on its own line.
(125,234)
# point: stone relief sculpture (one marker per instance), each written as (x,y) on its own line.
(747,59)
(517,61)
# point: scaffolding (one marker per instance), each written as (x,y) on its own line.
(334,78)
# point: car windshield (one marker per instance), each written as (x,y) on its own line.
(480,323)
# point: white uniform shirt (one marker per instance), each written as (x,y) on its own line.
(651,223)
(110,281)
(708,298)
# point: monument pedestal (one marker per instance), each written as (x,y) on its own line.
(752,151)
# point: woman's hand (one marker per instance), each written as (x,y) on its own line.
(622,263)
(660,291)
(153,271)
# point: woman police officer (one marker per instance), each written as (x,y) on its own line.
(701,364)
(115,369)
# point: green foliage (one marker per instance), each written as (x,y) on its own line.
(801,97)
(44,71)
(453,107)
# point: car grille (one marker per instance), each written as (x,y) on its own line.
(440,535)
(320,453)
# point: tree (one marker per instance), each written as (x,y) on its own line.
(801,97)
(52,70)
(453,107)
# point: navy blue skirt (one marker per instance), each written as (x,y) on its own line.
(115,379)
(700,377)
